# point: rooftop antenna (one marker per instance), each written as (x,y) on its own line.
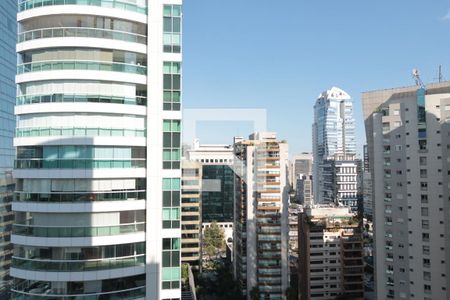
(416,76)
(440,77)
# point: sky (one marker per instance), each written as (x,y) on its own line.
(280,55)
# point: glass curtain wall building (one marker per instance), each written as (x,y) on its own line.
(8,33)
(97,147)
(333,132)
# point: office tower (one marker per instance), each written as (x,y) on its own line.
(407,136)
(98,146)
(260,245)
(330,254)
(302,164)
(333,132)
(341,175)
(302,178)
(217,184)
(367,186)
(191,222)
(8,9)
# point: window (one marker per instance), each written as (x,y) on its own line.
(172,28)
(423,160)
(423,173)
(171,202)
(171,263)
(171,144)
(423,186)
(424,211)
(424,198)
(172,85)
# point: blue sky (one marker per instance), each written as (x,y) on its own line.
(280,55)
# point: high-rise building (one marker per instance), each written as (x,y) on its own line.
(367,186)
(407,132)
(260,245)
(302,178)
(8,35)
(333,132)
(302,164)
(330,254)
(341,176)
(98,149)
(217,184)
(191,216)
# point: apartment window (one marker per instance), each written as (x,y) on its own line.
(424,198)
(426,262)
(423,161)
(171,144)
(171,263)
(425,237)
(423,173)
(426,250)
(424,211)
(172,28)
(172,86)
(423,186)
(427,288)
(171,202)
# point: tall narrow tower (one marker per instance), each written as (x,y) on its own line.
(260,243)
(98,149)
(333,132)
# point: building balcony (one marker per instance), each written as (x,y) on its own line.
(78,265)
(30,4)
(65,232)
(82,32)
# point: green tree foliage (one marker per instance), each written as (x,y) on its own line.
(185,272)
(219,285)
(254,293)
(213,240)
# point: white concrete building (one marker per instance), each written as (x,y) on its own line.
(98,149)
(407,132)
(330,254)
(341,180)
(261,219)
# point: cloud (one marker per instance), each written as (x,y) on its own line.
(446,17)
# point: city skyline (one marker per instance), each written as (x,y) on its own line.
(298,65)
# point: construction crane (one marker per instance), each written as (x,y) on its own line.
(416,76)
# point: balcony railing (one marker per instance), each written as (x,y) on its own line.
(77,265)
(73,98)
(58,65)
(30,4)
(65,131)
(78,164)
(83,32)
(80,197)
(65,232)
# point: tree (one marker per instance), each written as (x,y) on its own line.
(254,293)
(213,240)
(185,272)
